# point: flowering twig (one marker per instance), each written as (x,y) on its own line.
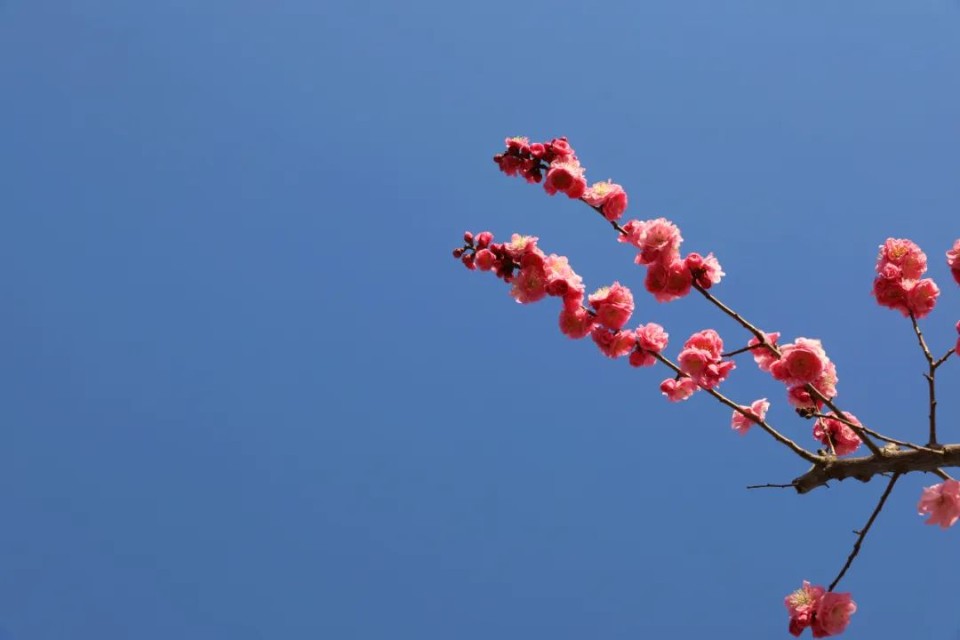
(859,431)
(879,436)
(863,532)
(779,437)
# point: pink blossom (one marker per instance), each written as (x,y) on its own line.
(826,384)
(668,281)
(660,241)
(520,246)
(565,176)
(800,362)
(922,297)
(641,358)
(609,197)
(483,239)
(701,359)
(942,503)
(763,356)
(573,299)
(694,362)
(651,337)
(677,390)
(560,149)
(705,371)
(576,323)
(843,438)
(634,233)
(530,285)
(801,605)
(799,397)
(741,423)
(613,304)
(484,259)
(832,614)
(891,293)
(708,340)
(561,278)
(905,255)
(520,144)
(705,272)
(613,344)
(953,260)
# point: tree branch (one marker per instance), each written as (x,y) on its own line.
(865,467)
(863,532)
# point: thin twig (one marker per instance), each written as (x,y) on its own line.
(736,352)
(759,335)
(943,475)
(770,486)
(943,358)
(863,532)
(931,380)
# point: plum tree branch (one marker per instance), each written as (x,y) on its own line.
(863,532)
(863,468)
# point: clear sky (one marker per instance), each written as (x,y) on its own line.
(247,394)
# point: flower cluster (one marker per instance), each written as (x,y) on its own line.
(942,503)
(802,363)
(534,275)
(825,612)
(668,275)
(837,434)
(701,361)
(556,165)
(898,285)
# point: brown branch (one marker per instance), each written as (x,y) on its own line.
(863,532)
(863,468)
(930,375)
(944,357)
(759,335)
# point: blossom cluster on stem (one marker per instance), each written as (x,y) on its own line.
(826,613)
(534,275)
(898,285)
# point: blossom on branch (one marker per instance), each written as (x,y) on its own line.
(825,612)
(613,305)
(610,198)
(677,390)
(762,355)
(758,410)
(898,286)
(837,435)
(701,359)
(942,503)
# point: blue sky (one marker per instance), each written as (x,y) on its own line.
(248,394)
